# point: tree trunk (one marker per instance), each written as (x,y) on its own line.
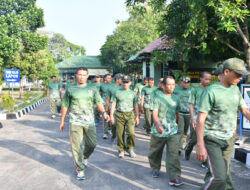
(34,83)
(247,55)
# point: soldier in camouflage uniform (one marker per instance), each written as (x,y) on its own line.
(183,92)
(104,90)
(71,82)
(146,101)
(217,121)
(125,102)
(138,88)
(54,94)
(111,92)
(80,100)
(97,84)
(194,100)
(164,132)
(156,92)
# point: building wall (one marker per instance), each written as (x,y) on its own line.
(155,71)
(194,69)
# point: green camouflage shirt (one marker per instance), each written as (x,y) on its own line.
(96,85)
(104,89)
(112,90)
(154,94)
(125,100)
(138,88)
(81,101)
(69,84)
(167,107)
(183,96)
(221,104)
(194,98)
(147,92)
(54,89)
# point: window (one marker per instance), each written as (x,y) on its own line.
(165,71)
(147,69)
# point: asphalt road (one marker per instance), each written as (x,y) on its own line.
(35,155)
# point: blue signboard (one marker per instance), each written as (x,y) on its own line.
(12,75)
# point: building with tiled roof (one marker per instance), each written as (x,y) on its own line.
(173,67)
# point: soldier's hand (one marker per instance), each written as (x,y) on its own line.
(48,98)
(112,120)
(61,126)
(201,153)
(160,129)
(137,121)
(193,123)
(106,117)
(142,110)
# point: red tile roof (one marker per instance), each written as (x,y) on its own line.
(162,43)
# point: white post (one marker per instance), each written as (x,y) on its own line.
(152,70)
(144,69)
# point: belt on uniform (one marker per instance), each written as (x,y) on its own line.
(184,112)
(124,112)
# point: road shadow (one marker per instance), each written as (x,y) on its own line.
(52,149)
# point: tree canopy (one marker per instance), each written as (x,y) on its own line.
(206,29)
(19,19)
(60,47)
(128,39)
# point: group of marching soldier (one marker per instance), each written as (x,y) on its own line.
(207,112)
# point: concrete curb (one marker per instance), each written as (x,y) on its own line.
(20,113)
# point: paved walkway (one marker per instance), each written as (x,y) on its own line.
(35,155)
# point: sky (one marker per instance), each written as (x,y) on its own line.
(83,22)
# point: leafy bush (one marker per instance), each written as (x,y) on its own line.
(8,102)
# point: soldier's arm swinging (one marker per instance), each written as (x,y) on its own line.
(137,118)
(64,112)
(48,94)
(100,107)
(192,121)
(61,93)
(156,121)
(142,102)
(201,153)
(245,112)
(112,110)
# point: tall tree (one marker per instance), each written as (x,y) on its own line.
(61,48)
(19,19)
(128,39)
(37,65)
